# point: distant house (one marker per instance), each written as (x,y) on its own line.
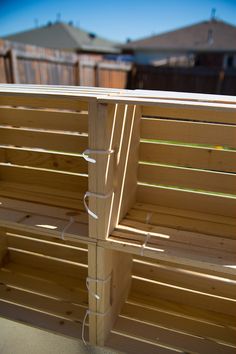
(209,43)
(67,37)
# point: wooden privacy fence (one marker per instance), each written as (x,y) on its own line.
(194,79)
(117,216)
(26,64)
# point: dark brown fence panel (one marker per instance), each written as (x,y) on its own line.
(203,80)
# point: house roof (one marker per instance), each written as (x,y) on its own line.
(65,37)
(210,35)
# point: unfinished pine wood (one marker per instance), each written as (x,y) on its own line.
(43,159)
(32,100)
(49,140)
(44,119)
(114,292)
(183,220)
(221,113)
(154,317)
(187,178)
(189,132)
(40,177)
(187,156)
(189,200)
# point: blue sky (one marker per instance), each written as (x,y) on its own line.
(113,19)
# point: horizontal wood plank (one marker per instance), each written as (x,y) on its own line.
(187,156)
(43,159)
(189,132)
(45,101)
(211,114)
(44,119)
(47,263)
(47,248)
(41,320)
(173,218)
(49,179)
(182,277)
(175,339)
(181,318)
(187,178)
(184,296)
(45,283)
(44,140)
(204,203)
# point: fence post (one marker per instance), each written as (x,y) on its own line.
(14,66)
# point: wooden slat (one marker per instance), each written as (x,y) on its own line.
(43,140)
(189,132)
(15,205)
(182,253)
(44,119)
(47,248)
(46,160)
(184,220)
(182,318)
(187,178)
(45,101)
(42,282)
(183,296)
(211,114)
(41,303)
(47,263)
(179,276)
(212,204)
(41,320)
(42,194)
(131,344)
(45,178)
(186,156)
(175,235)
(181,341)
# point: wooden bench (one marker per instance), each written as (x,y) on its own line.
(176,216)
(158,249)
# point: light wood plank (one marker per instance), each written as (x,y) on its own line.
(47,263)
(43,139)
(183,296)
(44,101)
(187,156)
(163,336)
(43,159)
(44,119)
(182,277)
(187,178)
(208,114)
(204,203)
(50,179)
(41,320)
(189,132)
(182,318)
(182,221)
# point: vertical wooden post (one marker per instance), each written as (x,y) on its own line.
(116,266)
(112,127)
(14,67)
(92,274)
(77,70)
